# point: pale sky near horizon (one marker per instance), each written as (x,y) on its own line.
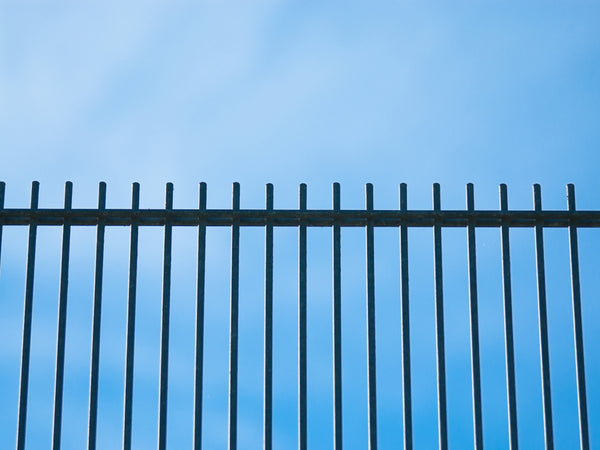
(289,92)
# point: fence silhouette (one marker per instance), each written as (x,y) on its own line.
(302,218)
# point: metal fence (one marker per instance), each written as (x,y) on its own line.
(336,218)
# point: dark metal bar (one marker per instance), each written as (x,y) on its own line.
(311,218)
(233,326)
(474,321)
(130,337)
(302,390)
(199,353)
(2,191)
(439,324)
(511,390)
(405,318)
(584,438)
(268,369)
(96,320)
(163,391)
(337,325)
(62,322)
(27,313)
(543,319)
(371,355)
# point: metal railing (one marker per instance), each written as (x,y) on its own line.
(302,218)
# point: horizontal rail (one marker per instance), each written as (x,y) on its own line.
(294,218)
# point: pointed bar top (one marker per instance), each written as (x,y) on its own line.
(403,197)
(336,196)
(269,196)
(436,197)
(68,195)
(302,196)
(102,195)
(537,197)
(169,196)
(369,196)
(571,196)
(2,190)
(35,194)
(135,196)
(470,197)
(202,195)
(236,196)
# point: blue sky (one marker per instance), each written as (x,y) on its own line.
(291,92)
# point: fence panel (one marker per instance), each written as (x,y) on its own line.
(403,219)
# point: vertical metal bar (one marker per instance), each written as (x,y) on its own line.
(337,325)
(268,369)
(164,329)
(233,325)
(62,320)
(439,323)
(511,390)
(543,319)
(405,317)
(27,313)
(302,392)
(371,355)
(130,337)
(96,320)
(474,320)
(199,352)
(584,438)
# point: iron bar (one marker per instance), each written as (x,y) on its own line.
(62,322)
(268,356)
(96,320)
(199,350)
(405,319)
(27,313)
(130,333)
(584,438)
(233,326)
(163,391)
(310,218)
(302,390)
(474,322)
(511,390)
(371,355)
(337,325)
(439,324)
(543,322)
